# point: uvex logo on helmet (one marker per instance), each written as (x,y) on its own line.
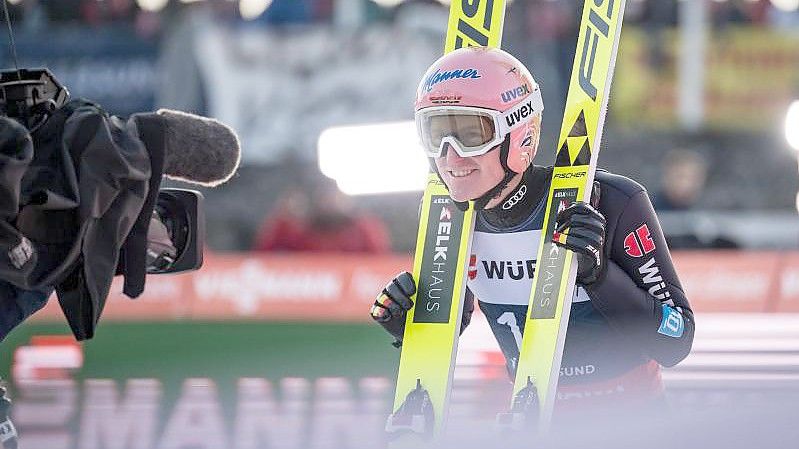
(438,76)
(519,92)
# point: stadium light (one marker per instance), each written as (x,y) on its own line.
(786,5)
(388,3)
(792,132)
(152,5)
(792,125)
(372,159)
(252,9)
(391,3)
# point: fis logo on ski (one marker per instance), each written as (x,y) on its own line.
(440,77)
(475,35)
(440,261)
(597,32)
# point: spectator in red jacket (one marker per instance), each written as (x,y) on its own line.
(323,220)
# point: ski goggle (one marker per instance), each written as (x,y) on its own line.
(471,131)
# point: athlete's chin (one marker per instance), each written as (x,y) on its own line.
(459,197)
(464,188)
(462,193)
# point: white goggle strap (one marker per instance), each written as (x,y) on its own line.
(519,114)
(504,123)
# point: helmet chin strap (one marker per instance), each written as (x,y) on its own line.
(494,192)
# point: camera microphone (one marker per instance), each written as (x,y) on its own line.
(198,150)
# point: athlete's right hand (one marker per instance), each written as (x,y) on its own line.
(395,300)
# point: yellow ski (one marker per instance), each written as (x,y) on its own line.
(430,342)
(573,177)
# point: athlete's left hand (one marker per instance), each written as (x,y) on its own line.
(581,228)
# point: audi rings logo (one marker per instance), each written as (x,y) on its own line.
(512,201)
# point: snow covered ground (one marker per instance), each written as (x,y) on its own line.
(729,349)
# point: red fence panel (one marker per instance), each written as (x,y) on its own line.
(324,287)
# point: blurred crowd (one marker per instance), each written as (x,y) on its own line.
(247,78)
(551,17)
(313,215)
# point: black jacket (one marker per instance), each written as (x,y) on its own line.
(638,311)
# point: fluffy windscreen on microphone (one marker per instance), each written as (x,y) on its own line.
(197,149)
(180,146)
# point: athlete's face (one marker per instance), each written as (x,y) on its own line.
(468,178)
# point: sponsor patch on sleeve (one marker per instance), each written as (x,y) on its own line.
(672,324)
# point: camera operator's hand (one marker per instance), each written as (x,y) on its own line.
(16,153)
(161,251)
(393,303)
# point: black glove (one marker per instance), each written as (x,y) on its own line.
(393,303)
(585,235)
(395,299)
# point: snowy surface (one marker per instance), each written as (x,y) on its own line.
(728,347)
